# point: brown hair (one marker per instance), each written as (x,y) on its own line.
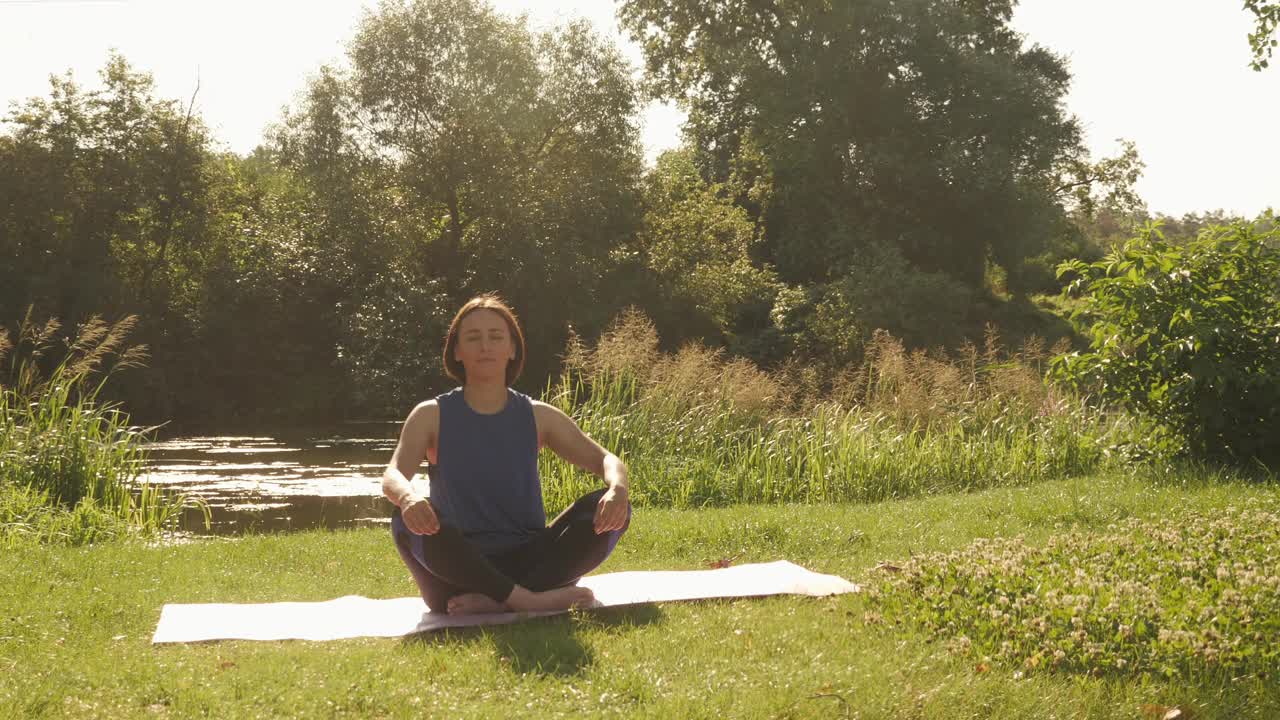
(488,301)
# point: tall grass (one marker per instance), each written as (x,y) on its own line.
(697,428)
(70,465)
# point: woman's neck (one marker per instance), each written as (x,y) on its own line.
(486,398)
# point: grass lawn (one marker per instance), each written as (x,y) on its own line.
(75,626)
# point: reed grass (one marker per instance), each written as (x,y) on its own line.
(697,428)
(69,464)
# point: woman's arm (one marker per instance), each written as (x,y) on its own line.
(560,433)
(416,435)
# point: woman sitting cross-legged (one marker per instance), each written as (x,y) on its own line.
(480,543)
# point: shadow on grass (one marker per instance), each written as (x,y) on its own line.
(549,645)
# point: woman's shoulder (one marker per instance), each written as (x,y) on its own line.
(540,407)
(547,416)
(447,396)
(424,417)
(521,397)
(430,405)
(447,399)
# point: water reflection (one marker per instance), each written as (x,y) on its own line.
(291,480)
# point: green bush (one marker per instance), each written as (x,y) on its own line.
(1188,335)
(1174,597)
(880,291)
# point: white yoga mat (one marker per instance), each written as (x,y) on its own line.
(354,616)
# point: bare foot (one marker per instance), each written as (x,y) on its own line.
(474,604)
(524,600)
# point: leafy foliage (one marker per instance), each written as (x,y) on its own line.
(458,152)
(1102,204)
(496,158)
(1262,41)
(696,243)
(848,167)
(1188,335)
(880,291)
(922,124)
(103,195)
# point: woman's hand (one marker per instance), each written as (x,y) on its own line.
(611,511)
(419,516)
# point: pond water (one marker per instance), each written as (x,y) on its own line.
(295,479)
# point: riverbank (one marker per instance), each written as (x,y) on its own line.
(76,625)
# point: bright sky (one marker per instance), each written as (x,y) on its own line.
(1172,75)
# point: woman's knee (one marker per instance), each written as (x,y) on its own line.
(590,500)
(423,548)
(625,523)
(442,548)
(399,532)
(444,535)
(584,513)
(585,506)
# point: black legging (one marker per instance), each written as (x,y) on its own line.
(446,564)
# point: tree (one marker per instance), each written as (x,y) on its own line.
(501,159)
(103,193)
(1102,208)
(1105,185)
(923,124)
(697,244)
(112,202)
(1262,40)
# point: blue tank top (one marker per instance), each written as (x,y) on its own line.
(485,482)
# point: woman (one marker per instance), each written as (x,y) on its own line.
(480,544)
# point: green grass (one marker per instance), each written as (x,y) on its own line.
(698,454)
(1180,596)
(75,625)
(699,429)
(69,471)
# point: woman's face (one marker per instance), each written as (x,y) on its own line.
(484,345)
